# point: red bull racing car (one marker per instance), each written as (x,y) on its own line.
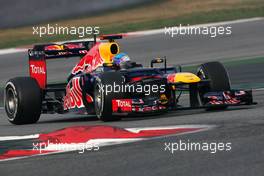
(108,84)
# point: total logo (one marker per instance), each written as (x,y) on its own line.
(123,103)
(37,70)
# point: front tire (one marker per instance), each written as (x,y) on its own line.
(219,79)
(103,99)
(22,100)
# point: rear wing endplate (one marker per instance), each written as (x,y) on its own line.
(40,53)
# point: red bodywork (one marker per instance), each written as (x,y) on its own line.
(38,70)
(90,61)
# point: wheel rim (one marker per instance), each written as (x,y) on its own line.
(11,101)
(98,101)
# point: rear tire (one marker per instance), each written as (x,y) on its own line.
(103,101)
(22,100)
(219,79)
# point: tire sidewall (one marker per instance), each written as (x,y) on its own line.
(11,117)
(29,100)
(107,78)
(98,83)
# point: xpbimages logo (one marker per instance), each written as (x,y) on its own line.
(132,88)
(212,31)
(80,31)
(188,146)
(42,147)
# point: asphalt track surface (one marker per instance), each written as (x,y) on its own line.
(242,126)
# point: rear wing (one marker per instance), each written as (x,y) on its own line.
(40,53)
(111,37)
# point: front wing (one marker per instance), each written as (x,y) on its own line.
(210,99)
(233,97)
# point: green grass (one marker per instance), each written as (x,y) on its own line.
(193,18)
(228,62)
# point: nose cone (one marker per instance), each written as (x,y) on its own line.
(183,77)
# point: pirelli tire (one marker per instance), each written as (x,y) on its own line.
(103,99)
(219,80)
(22,100)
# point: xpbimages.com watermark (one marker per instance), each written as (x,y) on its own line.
(41,147)
(132,88)
(80,31)
(212,31)
(188,146)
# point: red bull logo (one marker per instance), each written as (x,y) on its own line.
(100,53)
(73,96)
(89,62)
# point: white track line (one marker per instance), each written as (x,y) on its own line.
(10,138)
(12,50)
(137,130)
(133,130)
(159,31)
(105,141)
(145,33)
(260,89)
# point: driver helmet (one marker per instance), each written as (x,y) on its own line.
(120,58)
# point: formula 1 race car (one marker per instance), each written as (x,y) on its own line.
(98,85)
